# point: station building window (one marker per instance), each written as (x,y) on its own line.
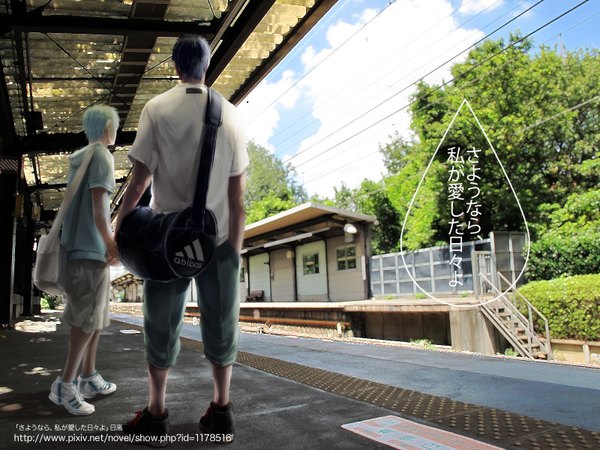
(310,264)
(346,257)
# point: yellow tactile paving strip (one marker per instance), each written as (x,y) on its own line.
(497,427)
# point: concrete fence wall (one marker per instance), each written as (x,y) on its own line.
(431,268)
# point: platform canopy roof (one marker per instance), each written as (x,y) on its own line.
(59,57)
(306,222)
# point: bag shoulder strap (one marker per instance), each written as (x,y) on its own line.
(212,121)
(70,193)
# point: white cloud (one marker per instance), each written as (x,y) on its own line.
(265,101)
(350,87)
(476,6)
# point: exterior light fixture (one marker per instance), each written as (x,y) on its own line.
(349,228)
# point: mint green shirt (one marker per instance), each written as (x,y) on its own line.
(80,237)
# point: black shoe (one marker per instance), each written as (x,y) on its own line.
(218,422)
(147,429)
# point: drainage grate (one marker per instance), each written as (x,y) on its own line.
(494,426)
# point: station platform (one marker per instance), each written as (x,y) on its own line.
(294,393)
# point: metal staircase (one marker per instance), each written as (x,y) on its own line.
(506,314)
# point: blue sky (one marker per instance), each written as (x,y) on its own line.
(341,92)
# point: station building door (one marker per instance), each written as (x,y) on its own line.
(260,273)
(311,270)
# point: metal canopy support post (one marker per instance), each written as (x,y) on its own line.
(9,176)
(25,232)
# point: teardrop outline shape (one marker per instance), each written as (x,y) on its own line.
(465,101)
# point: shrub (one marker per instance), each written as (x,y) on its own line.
(569,243)
(570,304)
(48,302)
(557,255)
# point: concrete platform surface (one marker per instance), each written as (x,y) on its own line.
(554,392)
(271,412)
(305,390)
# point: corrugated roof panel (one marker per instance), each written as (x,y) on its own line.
(122,163)
(7,53)
(270,32)
(195,10)
(90,55)
(52,198)
(62,104)
(159,63)
(159,76)
(60,101)
(97,8)
(53,168)
(72,71)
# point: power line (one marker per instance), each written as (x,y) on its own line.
(577,106)
(324,59)
(375,68)
(434,90)
(429,105)
(572,108)
(522,130)
(408,86)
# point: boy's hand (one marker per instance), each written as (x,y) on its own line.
(112,253)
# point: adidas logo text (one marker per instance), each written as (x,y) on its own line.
(187,263)
(191,256)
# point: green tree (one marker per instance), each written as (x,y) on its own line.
(523,101)
(540,111)
(419,229)
(371,198)
(271,187)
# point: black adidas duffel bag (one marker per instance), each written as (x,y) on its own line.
(164,247)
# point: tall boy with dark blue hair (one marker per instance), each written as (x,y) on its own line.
(166,153)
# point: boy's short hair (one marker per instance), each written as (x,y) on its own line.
(96,119)
(191,55)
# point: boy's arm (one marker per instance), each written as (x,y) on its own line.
(98,197)
(237,216)
(140,180)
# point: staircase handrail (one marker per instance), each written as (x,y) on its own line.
(514,310)
(531,307)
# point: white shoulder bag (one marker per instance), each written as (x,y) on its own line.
(49,273)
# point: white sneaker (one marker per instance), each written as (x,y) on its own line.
(93,385)
(68,395)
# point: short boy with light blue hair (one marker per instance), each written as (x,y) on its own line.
(87,238)
(96,121)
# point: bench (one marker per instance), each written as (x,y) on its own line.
(256,296)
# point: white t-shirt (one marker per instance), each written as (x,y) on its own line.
(168,144)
